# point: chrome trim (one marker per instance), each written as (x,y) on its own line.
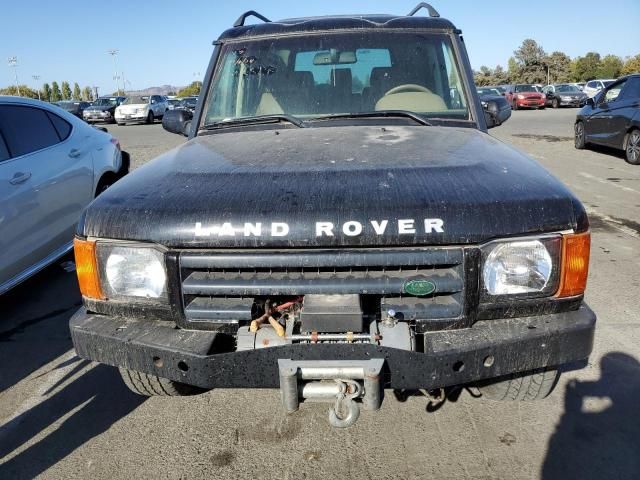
(32,270)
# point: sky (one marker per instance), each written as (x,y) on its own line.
(169,42)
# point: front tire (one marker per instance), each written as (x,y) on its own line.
(515,106)
(579,135)
(150,118)
(632,150)
(521,387)
(153,386)
(555,103)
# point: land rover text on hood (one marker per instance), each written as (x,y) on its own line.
(338,223)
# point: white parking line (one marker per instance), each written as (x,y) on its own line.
(613,222)
(608,182)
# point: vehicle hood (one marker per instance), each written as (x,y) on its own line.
(100,108)
(408,179)
(132,106)
(571,94)
(530,94)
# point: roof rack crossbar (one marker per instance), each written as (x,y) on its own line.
(432,11)
(251,13)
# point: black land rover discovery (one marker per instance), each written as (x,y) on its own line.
(339,223)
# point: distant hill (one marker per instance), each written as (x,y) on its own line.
(162,90)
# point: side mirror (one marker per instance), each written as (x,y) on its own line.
(591,102)
(177,121)
(496,111)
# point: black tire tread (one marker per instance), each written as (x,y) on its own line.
(154,386)
(523,387)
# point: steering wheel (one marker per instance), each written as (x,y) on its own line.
(409,87)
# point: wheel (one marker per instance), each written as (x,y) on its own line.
(555,103)
(579,135)
(152,386)
(633,147)
(515,106)
(150,118)
(105,182)
(523,387)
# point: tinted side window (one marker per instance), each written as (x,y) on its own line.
(4,153)
(26,129)
(62,126)
(591,84)
(632,90)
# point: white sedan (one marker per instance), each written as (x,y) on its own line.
(52,165)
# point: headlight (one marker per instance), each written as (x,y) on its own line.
(528,267)
(520,97)
(131,271)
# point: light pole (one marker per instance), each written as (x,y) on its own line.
(36,78)
(113,54)
(13,62)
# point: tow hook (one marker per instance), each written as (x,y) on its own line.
(338,382)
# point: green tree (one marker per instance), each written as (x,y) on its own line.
(87,96)
(530,58)
(559,65)
(46,92)
(610,67)
(500,77)
(66,91)
(513,70)
(56,95)
(631,65)
(77,94)
(586,68)
(484,76)
(191,90)
(24,91)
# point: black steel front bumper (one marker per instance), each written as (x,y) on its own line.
(491,348)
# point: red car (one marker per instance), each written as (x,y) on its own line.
(525,96)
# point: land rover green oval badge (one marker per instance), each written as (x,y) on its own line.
(419,288)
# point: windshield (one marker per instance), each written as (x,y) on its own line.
(173,101)
(567,88)
(526,88)
(340,73)
(69,105)
(136,100)
(488,91)
(189,102)
(105,101)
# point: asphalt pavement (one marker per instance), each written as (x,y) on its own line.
(62,417)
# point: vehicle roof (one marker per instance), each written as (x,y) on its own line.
(337,22)
(24,100)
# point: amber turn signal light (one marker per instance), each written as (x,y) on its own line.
(575,264)
(87,268)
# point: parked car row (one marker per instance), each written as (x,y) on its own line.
(539,97)
(52,165)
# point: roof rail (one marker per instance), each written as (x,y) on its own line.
(432,11)
(251,13)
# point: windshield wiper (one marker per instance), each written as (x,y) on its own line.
(258,119)
(378,114)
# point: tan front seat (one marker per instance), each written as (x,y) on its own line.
(269,105)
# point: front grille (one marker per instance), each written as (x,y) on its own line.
(219,287)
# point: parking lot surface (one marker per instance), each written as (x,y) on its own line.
(62,417)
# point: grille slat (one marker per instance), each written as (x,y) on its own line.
(301,283)
(218,286)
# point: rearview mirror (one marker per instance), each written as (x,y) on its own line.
(177,121)
(496,111)
(334,57)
